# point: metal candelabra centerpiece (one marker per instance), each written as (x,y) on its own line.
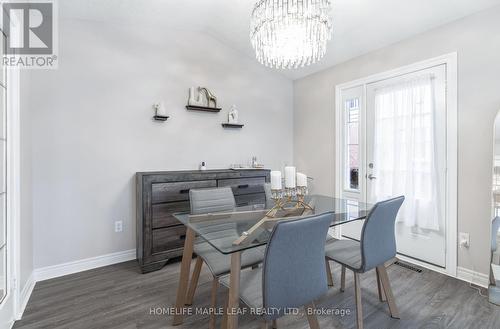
(283,197)
(293,194)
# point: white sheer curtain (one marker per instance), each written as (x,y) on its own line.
(405,150)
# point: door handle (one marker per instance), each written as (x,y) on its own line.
(370,176)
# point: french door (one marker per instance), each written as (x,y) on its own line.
(394,142)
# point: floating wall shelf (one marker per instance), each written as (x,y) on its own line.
(203,108)
(160,118)
(232,125)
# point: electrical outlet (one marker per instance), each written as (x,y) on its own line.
(464,240)
(118,226)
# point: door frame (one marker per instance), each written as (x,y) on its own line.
(450,60)
(11,308)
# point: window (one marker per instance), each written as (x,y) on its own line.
(352,144)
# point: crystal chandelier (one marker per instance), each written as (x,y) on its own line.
(290,33)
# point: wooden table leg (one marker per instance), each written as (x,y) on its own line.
(187,256)
(234,291)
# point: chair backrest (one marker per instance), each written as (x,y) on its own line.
(209,200)
(495,226)
(378,239)
(294,265)
(269,198)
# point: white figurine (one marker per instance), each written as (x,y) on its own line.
(232,116)
(160,109)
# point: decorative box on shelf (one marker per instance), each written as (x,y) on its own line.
(202,99)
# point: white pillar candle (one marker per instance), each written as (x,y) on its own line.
(290,177)
(301,180)
(276,180)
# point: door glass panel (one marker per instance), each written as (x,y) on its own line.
(352,144)
(352,168)
(406,147)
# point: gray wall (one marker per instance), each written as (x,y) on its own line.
(93,129)
(475,39)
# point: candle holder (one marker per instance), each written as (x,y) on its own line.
(289,195)
(277,196)
(281,197)
(301,193)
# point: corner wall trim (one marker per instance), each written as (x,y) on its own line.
(473,277)
(55,271)
(25,295)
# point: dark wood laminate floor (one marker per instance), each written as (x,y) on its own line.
(118,296)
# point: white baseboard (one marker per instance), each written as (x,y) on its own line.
(50,272)
(473,277)
(25,295)
(55,271)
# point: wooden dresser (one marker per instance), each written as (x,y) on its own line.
(160,236)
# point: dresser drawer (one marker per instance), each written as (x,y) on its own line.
(165,239)
(162,213)
(177,191)
(250,199)
(247,185)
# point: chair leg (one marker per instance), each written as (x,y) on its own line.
(213,303)
(194,281)
(381,294)
(224,317)
(311,317)
(342,279)
(359,305)
(329,275)
(275,324)
(388,291)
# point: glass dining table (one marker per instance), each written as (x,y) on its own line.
(250,226)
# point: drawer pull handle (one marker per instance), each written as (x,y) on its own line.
(184,191)
(182,237)
(243,186)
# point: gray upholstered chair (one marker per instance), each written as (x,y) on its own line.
(293,274)
(212,200)
(377,246)
(269,198)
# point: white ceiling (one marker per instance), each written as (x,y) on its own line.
(360,26)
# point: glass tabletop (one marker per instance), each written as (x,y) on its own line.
(248,227)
